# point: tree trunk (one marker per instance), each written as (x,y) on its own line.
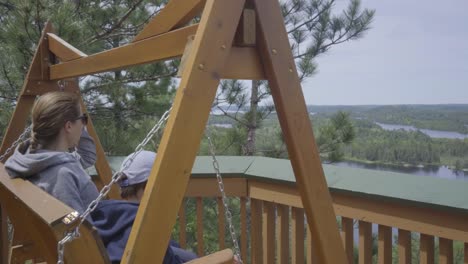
(252,125)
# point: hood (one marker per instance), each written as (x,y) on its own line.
(23,164)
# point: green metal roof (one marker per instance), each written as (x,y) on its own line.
(418,190)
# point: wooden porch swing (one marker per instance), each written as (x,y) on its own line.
(235,39)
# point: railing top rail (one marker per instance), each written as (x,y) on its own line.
(421,191)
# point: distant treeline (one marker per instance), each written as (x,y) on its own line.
(435,117)
(372,143)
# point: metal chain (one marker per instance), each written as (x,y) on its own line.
(224,199)
(73,234)
(20,139)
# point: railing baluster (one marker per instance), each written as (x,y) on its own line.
(221,223)
(182,225)
(404,246)
(243,242)
(268,229)
(445,251)
(282,231)
(466,254)
(297,236)
(385,245)
(347,232)
(365,242)
(256,215)
(312,257)
(200,245)
(426,249)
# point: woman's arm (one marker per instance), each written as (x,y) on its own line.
(87,150)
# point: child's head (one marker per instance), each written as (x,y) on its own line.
(136,175)
(54,114)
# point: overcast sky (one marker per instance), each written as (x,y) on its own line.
(415,53)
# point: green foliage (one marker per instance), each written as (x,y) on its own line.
(121,102)
(333,135)
(313,29)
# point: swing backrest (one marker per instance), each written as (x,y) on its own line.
(38,221)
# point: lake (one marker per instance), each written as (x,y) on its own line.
(431,133)
(428,171)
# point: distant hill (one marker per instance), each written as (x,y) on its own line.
(448,117)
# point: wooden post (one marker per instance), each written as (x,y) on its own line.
(171,172)
(426,249)
(297,235)
(268,235)
(385,245)
(347,232)
(365,242)
(281,72)
(404,246)
(257,242)
(282,234)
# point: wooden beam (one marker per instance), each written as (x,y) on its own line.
(208,187)
(4,240)
(182,226)
(168,179)
(175,13)
(37,71)
(25,102)
(280,68)
(63,49)
(221,257)
(161,47)
(246,33)
(244,63)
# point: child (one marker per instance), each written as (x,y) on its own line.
(114,219)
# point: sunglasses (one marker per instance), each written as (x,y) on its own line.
(83,118)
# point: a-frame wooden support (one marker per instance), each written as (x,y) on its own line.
(211,58)
(36,83)
(201,75)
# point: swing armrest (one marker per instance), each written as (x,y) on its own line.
(221,257)
(24,194)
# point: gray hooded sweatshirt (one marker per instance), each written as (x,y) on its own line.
(61,174)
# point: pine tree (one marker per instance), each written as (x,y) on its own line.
(313,29)
(123,102)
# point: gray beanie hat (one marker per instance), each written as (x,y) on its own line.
(139,170)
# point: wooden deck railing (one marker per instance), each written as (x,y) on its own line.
(384,217)
(272,225)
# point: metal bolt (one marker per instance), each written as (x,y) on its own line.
(223,47)
(274,51)
(201,66)
(290,70)
(28,91)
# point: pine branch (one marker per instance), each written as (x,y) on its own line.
(116,25)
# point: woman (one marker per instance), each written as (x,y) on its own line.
(47,160)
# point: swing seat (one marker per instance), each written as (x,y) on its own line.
(39,222)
